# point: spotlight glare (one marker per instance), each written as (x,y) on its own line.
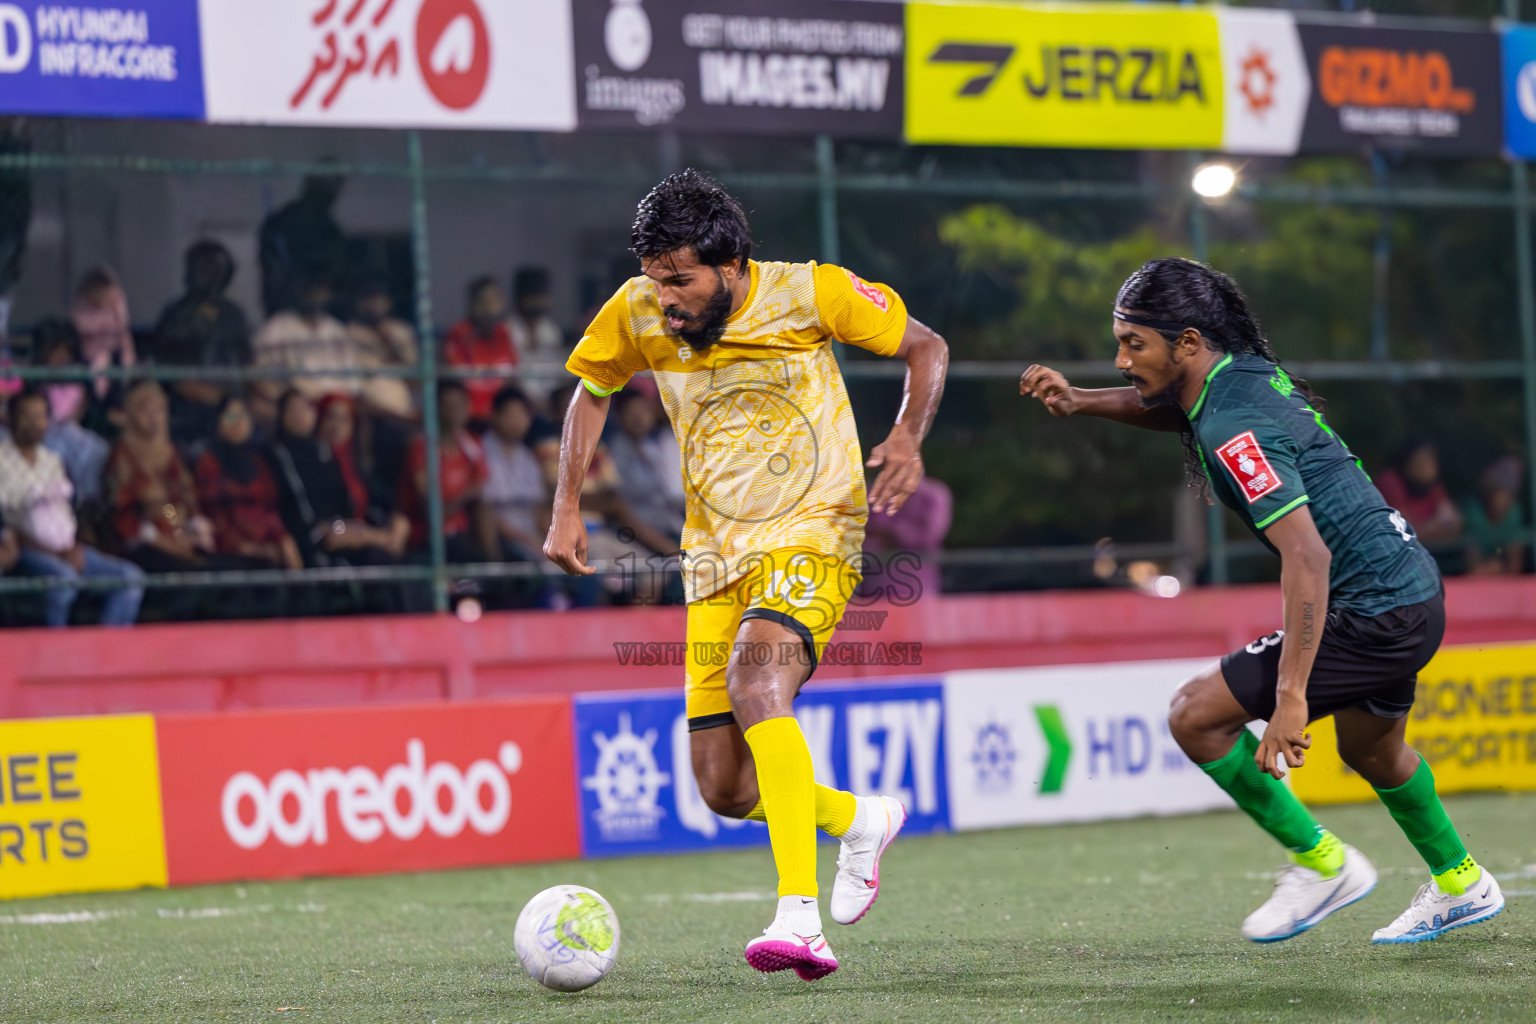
(1214,180)
(1166,586)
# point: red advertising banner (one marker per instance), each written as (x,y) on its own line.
(277,794)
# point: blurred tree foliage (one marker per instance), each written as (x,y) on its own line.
(1309,269)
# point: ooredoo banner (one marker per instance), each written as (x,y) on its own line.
(1432,90)
(761,66)
(1114,76)
(140,59)
(639,794)
(357,790)
(1473,720)
(390,63)
(79,805)
(1069,743)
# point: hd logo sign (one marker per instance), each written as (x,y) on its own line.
(1101,75)
(79,805)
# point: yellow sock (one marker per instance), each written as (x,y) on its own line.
(835,810)
(787,783)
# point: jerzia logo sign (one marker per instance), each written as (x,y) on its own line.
(1063,76)
(1436,91)
(776,66)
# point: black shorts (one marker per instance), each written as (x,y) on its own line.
(1366,662)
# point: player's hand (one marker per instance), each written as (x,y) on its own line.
(1285,735)
(566,544)
(1053,390)
(901,470)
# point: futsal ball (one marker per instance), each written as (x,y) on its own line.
(567,938)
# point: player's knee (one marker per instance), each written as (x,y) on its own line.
(1185,720)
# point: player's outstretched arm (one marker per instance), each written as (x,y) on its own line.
(1304,561)
(566,543)
(1123,405)
(898,456)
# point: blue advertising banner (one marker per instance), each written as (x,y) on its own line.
(1520,91)
(142,59)
(638,793)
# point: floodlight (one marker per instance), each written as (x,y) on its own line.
(1214,181)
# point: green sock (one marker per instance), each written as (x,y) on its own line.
(1416,808)
(1272,806)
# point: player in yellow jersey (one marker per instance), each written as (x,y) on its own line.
(776,511)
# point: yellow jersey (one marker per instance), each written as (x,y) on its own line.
(770,453)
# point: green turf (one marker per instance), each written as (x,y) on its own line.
(1125,921)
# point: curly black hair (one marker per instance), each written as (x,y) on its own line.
(1188,292)
(687,210)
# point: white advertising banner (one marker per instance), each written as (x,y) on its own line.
(1267,82)
(390,63)
(1069,743)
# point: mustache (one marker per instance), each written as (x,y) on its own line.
(674,312)
(1130,378)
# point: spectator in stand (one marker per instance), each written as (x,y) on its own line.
(309,342)
(100,317)
(151,492)
(1412,486)
(298,240)
(201,328)
(469,529)
(539,341)
(1496,528)
(649,464)
(316,504)
(372,496)
(236,491)
(382,339)
(906,544)
(481,341)
(83,451)
(35,497)
(514,489)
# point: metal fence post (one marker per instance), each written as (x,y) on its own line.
(423,264)
(826,196)
(1526,288)
(1215,516)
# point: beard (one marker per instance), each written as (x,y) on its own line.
(707,327)
(1168,396)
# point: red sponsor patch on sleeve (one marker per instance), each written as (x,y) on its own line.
(1249,466)
(870,292)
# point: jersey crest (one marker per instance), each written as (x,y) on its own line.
(869,291)
(1249,466)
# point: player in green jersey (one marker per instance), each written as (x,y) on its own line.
(1363,605)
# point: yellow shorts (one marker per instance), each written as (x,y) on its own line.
(800,589)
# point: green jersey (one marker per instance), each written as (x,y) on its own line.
(1267,453)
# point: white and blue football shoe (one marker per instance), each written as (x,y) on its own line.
(1433,913)
(1303,897)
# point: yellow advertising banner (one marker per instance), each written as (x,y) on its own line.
(1106,76)
(1473,719)
(79,805)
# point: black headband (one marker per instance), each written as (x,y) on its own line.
(1164,325)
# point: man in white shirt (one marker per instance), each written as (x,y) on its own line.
(515,488)
(35,497)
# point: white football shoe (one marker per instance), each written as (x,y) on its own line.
(857,885)
(1433,913)
(793,942)
(1303,897)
